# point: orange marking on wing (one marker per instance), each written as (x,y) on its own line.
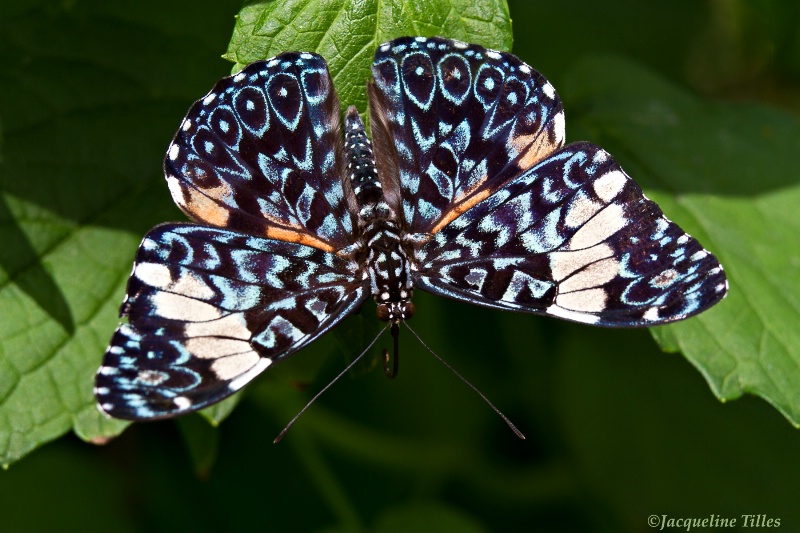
(532,151)
(200,207)
(283,234)
(219,192)
(203,209)
(460,208)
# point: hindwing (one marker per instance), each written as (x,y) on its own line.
(209,309)
(573,237)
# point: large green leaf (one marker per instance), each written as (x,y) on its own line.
(726,173)
(89,102)
(347,32)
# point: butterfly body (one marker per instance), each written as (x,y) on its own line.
(466,190)
(387,261)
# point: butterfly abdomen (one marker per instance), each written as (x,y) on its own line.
(361,170)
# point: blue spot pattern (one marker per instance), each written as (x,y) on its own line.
(465,189)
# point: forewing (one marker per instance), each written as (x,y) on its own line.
(209,309)
(262,154)
(573,237)
(453,122)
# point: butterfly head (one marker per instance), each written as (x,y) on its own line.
(395,312)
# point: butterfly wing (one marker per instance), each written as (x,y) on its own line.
(209,309)
(573,237)
(262,153)
(260,157)
(452,122)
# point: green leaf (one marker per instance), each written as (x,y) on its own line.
(220,410)
(347,32)
(202,443)
(89,104)
(727,174)
(645,434)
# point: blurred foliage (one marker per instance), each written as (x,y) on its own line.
(89,97)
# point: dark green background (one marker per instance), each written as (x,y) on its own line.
(616,430)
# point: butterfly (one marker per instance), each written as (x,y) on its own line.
(465,190)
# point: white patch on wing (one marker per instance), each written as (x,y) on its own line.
(651,314)
(563,264)
(558,127)
(153,274)
(245,378)
(603,225)
(227,368)
(588,301)
(600,156)
(182,402)
(215,347)
(176,191)
(609,185)
(189,284)
(177,307)
(580,210)
(594,275)
(233,325)
(571,315)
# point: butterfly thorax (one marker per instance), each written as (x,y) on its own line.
(387,263)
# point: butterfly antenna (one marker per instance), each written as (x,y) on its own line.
(511,425)
(326,387)
(391,372)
